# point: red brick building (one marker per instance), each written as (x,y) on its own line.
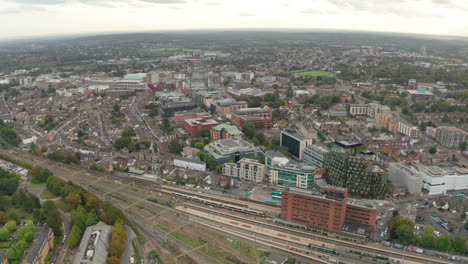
(261,117)
(328,209)
(179,117)
(195,125)
(323,210)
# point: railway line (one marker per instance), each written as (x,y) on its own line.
(87,177)
(337,242)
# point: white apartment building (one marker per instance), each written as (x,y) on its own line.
(245,169)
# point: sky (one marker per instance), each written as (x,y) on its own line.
(33,18)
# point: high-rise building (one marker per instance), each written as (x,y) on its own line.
(350,166)
(324,210)
(406,176)
(245,169)
(314,155)
(328,209)
(286,172)
(295,142)
(450,137)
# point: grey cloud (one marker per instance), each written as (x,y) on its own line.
(245,14)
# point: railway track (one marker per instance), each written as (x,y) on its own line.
(329,240)
(151,185)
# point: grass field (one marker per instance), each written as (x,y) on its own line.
(46,194)
(21,213)
(61,205)
(314,73)
(164,49)
(37,185)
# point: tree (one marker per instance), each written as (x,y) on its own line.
(428,238)
(432,150)
(396,222)
(75,236)
(249,130)
(73,200)
(405,234)
(199,145)
(166,126)
(79,217)
(463,146)
(460,244)
(219,169)
(39,174)
(3,218)
(203,133)
(175,146)
(92,202)
(113,260)
(26,233)
(92,218)
(52,217)
(443,243)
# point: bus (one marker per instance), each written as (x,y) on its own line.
(271,202)
(276,193)
(459,195)
(276,197)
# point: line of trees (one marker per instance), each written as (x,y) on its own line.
(401,230)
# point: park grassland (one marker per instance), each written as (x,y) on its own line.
(314,73)
(164,49)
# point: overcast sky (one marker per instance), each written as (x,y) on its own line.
(22,18)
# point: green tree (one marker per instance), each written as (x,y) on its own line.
(432,150)
(219,169)
(199,145)
(249,130)
(26,233)
(203,133)
(3,218)
(460,244)
(92,219)
(405,234)
(166,126)
(443,243)
(79,217)
(428,238)
(75,236)
(175,146)
(52,217)
(463,145)
(396,222)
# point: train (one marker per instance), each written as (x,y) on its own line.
(271,201)
(219,204)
